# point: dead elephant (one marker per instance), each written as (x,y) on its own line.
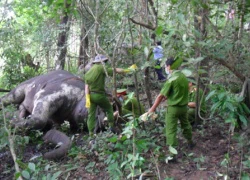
(51,99)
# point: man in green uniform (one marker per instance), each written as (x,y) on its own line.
(175,90)
(129,106)
(95,92)
(192,101)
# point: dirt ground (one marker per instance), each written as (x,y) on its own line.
(204,161)
(217,155)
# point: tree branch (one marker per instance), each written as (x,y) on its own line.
(142,24)
(214,27)
(232,69)
(11,144)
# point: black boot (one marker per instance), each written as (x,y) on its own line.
(115,130)
(191,145)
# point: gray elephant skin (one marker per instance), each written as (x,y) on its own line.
(50,99)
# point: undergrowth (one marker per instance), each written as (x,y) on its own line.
(139,150)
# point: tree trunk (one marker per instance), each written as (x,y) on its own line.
(62,39)
(147,86)
(83,58)
(243,4)
(200,25)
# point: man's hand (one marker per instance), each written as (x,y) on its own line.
(191,104)
(148,115)
(132,68)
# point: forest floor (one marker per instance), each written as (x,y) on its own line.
(218,154)
(215,156)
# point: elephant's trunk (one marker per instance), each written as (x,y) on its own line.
(56,137)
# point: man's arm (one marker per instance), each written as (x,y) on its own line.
(86,89)
(158,100)
(119,70)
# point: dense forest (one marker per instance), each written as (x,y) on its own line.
(211,37)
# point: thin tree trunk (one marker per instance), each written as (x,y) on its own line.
(62,39)
(133,61)
(83,58)
(243,4)
(200,25)
(96,28)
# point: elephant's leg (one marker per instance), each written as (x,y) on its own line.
(100,125)
(19,116)
(73,125)
(40,116)
(23,113)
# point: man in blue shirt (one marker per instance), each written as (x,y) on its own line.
(158,55)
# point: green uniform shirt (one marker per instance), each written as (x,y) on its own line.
(176,89)
(191,98)
(95,77)
(132,105)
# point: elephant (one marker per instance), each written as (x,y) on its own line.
(48,100)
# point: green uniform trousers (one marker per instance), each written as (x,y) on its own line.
(101,100)
(191,115)
(173,114)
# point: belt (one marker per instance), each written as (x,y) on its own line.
(96,92)
(177,105)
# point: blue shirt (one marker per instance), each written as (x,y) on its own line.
(158,52)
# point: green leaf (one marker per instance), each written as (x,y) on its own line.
(46,168)
(146,64)
(123,138)
(215,106)
(198,59)
(17,175)
(26,139)
(240,109)
(26,174)
(90,165)
(211,94)
(222,95)
(246,109)
(56,175)
(146,51)
(245,176)
(172,150)
(141,145)
(159,30)
(243,119)
(186,72)
(229,106)
(224,162)
(130,157)
(124,163)
(174,1)
(246,163)
(21,164)
(49,2)
(113,139)
(32,166)
(239,98)
(230,120)
(181,18)
(184,37)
